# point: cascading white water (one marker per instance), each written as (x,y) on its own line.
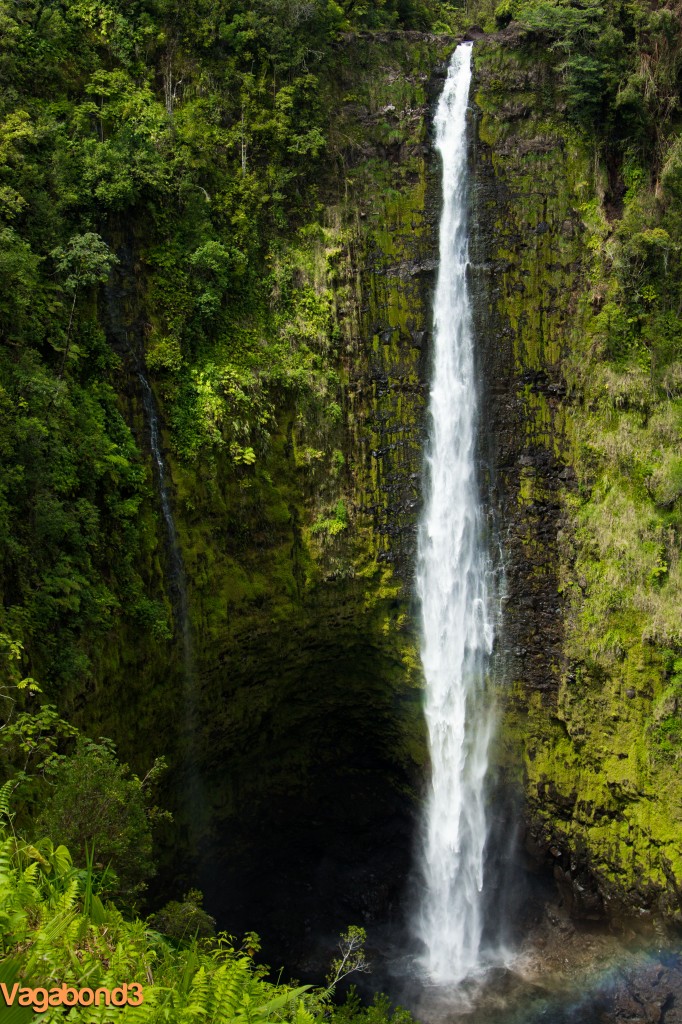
(452,566)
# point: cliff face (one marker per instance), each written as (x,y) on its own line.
(298,789)
(590,678)
(212,402)
(301,612)
(305,682)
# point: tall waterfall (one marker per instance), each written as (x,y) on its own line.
(457,632)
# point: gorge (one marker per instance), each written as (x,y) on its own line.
(267,182)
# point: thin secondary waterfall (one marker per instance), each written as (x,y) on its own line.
(451,582)
(193,794)
(177,568)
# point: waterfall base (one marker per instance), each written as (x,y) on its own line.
(563,974)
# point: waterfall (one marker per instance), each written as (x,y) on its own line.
(178,578)
(192,794)
(452,567)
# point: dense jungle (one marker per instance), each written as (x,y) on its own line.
(218,252)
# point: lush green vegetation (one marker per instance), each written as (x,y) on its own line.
(65,784)
(161,165)
(163,173)
(164,170)
(589,95)
(56,930)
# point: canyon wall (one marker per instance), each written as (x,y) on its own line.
(311,747)
(272,657)
(590,658)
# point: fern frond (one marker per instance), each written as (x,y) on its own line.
(229,986)
(303,1016)
(5,793)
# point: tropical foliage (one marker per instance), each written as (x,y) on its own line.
(56,930)
(161,165)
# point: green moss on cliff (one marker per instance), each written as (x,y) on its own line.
(589,293)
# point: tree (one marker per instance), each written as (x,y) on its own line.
(97,806)
(85,260)
(353,957)
(13,682)
(185,920)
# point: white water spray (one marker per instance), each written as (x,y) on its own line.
(451,584)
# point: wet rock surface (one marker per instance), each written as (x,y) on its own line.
(607,986)
(566,974)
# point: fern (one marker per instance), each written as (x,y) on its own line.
(31,873)
(67,901)
(197,1008)
(264,1012)
(5,793)
(229,984)
(303,1016)
(6,851)
(67,935)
